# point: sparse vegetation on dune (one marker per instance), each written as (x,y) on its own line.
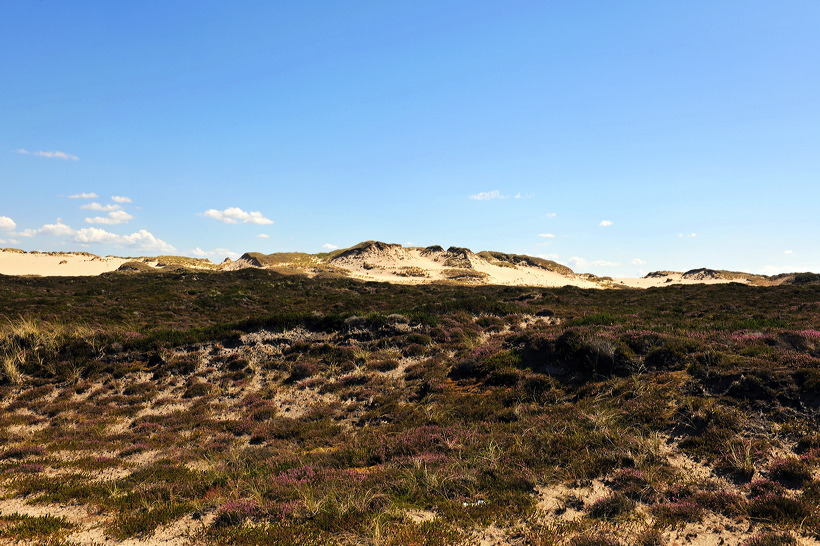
(250,407)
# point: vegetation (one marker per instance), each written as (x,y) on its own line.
(251,407)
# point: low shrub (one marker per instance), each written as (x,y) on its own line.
(771,538)
(611,506)
(790,471)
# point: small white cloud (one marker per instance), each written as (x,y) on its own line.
(551,215)
(90,195)
(263,236)
(120,199)
(523,196)
(7,224)
(235,215)
(103,208)
(329,246)
(50,155)
(553,257)
(687,236)
(113,218)
(788,252)
(487,195)
(547,235)
(605,223)
(583,262)
(638,261)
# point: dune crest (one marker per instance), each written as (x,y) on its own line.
(384,262)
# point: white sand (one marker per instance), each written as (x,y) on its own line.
(670,279)
(56,264)
(394,265)
(389,266)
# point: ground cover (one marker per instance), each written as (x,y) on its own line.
(251,407)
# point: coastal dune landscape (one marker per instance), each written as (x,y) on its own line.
(426,273)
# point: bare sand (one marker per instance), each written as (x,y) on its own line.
(53,264)
(397,266)
(670,279)
(414,266)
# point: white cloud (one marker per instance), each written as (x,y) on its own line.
(487,195)
(113,218)
(7,224)
(218,253)
(96,206)
(553,257)
(775,269)
(58,229)
(90,195)
(523,196)
(605,223)
(141,240)
(551,215)
(144,240)
(95,235)
(120,199)
(583,262)
(638,261)
(687,236)
(329,246)
(784,252)
(235,215)
(547,235)
(263,236)
(50,155)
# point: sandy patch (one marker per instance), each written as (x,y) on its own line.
(68,264)
(670,279)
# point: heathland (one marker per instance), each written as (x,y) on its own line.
(190,406)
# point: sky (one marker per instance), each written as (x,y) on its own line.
(617,138)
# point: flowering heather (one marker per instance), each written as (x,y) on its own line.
(790,470)
(27,468)
(312,475)
(237,511)
(498,415)
(680,511)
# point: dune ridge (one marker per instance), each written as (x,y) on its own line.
(384,262)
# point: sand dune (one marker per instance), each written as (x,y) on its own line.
(380,262)
(56,264)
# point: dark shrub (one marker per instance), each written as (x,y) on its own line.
(779,508)
(196,389)
(22,452)
(671,513)
(771,538)
(632,483)
(611,506)
(758,488)
(594,540)
(236,512)
(807,443)
(790,471)
(302,370)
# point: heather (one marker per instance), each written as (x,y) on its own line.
(253,407)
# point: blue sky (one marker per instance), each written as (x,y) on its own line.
(616,137)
